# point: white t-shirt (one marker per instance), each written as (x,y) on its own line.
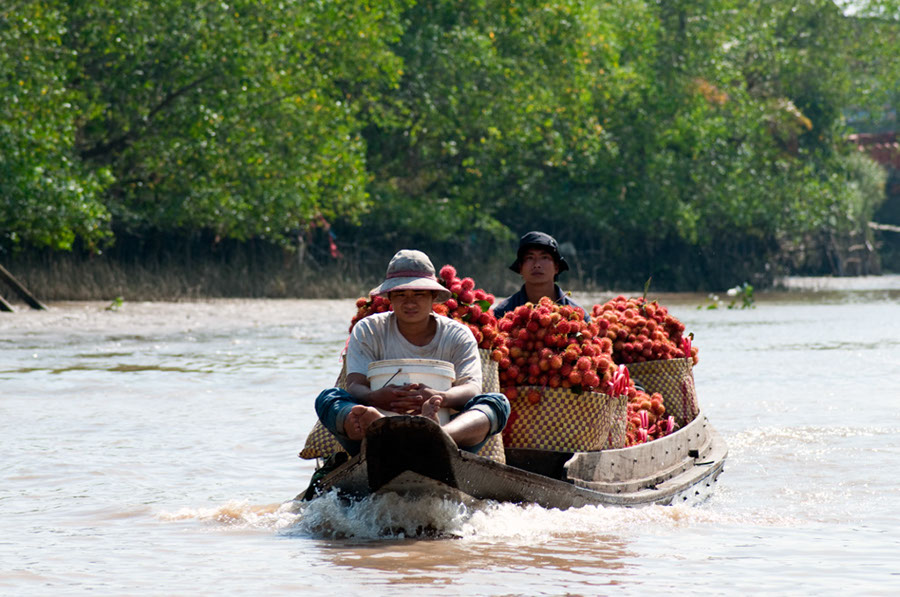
(377,338)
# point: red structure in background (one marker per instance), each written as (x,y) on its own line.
(881,147)
(884,148)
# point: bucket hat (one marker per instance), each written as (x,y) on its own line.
(538,240)
(411,270)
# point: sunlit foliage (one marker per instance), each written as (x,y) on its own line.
(629,128)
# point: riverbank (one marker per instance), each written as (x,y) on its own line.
(268,272)
(246,274)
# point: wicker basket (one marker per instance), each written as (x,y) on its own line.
(674,379)
(563,421)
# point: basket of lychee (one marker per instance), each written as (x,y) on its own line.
(660,357)
(556,369)
(545,349)
(551,345)
(641,331)
(469,305)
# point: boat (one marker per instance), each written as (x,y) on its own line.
(412,456)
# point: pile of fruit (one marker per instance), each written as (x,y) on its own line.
(369,306)
(642,331)
(551,345)
(646,418)
(470,306)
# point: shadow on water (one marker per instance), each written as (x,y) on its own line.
(413,559)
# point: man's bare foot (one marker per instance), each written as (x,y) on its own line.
(431,407)
(358,420)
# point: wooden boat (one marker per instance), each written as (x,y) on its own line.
(413,456)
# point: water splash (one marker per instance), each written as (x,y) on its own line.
(387,516)
(239,515)
(390,516)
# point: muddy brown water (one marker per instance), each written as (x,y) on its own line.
(152,450)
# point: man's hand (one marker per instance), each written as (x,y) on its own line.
(406,399)
(413,396)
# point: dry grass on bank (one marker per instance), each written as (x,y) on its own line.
(68,277)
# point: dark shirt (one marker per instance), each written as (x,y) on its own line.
(520,298)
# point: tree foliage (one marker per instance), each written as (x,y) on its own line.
(238,117)
(48,196)
(626,127)
(646,133)
(241,118)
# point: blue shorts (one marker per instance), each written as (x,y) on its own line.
(333,404)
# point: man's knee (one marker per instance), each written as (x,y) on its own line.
(329,398)
(332,406)
(495,406)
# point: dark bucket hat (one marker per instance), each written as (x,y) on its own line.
(538,240)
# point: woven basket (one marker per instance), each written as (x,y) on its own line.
(566,422)
(320,443)
(674,379)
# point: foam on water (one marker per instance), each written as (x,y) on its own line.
(387,517)
(381,516)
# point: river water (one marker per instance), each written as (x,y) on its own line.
(152,450)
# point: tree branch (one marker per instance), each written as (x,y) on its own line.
(123,141)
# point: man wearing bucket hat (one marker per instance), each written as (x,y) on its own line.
(539,262)
(411,330)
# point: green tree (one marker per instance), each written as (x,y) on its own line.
(495,96)
(240,118)
(47,197)
(681,139)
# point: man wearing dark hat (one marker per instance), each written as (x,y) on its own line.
(539,263)
(412,330)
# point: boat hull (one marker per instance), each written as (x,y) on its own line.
(413,456)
